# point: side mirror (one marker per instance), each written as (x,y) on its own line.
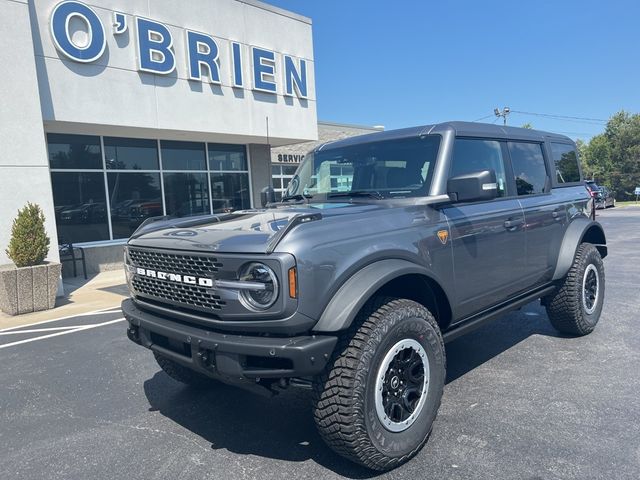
(474,186)
(267,196)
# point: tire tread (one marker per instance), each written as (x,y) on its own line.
(335,408)
(564,307)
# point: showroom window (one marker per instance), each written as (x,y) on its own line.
(130,154)
(183,155)
(281,175)
(105,187)
(186,194)
(133,197)
(229,177)
(74,152)
(80,206)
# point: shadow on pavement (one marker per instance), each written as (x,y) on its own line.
(282,427)
(472,350)
(242,422)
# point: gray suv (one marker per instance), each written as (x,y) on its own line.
(384,247)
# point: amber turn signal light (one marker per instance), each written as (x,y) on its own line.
(293,282)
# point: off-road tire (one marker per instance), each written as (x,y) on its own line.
(344,395)
(183,374)
(565,307)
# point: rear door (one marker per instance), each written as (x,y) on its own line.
(544,214)
(488,239)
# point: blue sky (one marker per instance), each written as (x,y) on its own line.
(402,63)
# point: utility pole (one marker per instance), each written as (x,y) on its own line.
(502,113)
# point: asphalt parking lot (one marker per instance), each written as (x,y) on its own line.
(520,402)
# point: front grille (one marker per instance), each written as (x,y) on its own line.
(191,296)
(175,263)
(188,295)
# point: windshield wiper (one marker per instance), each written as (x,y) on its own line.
(357,193)
(297,197)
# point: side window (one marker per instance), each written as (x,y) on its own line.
(566,162)
(528,167)
(475,155)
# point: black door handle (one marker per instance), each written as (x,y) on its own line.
(513,223)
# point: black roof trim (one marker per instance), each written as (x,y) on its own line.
(464,129)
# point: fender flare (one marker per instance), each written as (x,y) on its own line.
(576,232)
(356,291)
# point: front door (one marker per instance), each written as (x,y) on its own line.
(488,237)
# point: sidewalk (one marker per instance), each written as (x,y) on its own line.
(102,291)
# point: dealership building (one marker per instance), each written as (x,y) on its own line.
(285,160)
(114,111)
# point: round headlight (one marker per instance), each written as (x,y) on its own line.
(265,291)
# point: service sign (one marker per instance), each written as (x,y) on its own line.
(637,192)
(156,53)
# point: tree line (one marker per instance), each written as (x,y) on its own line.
(612,158)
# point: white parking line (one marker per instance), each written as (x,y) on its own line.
(39,330)
(51,335)
(102,311)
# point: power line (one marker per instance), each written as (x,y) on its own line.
(483,118)
(561,117)
(576,133)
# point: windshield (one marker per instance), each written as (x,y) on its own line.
(387,168)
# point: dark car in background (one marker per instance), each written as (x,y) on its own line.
(602,196)
(84,213)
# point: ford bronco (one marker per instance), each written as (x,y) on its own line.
(384,247)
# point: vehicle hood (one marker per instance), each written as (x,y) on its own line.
(245,231)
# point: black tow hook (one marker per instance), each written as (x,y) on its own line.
(134,334)
(206,359)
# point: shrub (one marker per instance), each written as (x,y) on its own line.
(29,242)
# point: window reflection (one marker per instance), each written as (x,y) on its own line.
(74,151)
(130,154)
(227,157)
(134,181)
(183,155)
(133,197)
(80,206)
(230,191)
(186,194)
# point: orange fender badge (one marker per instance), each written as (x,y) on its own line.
(443,235)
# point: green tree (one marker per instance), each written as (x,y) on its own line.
(612,158)
(596,159)
(29,243)
(622,144)
(527,125)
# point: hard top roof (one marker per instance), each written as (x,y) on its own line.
(464,129)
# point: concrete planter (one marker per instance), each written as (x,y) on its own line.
(28,289)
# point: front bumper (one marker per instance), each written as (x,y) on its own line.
(229,357)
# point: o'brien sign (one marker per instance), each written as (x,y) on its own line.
(156,52)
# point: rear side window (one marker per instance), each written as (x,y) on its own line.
(528,167)
(565,160)
(471,155)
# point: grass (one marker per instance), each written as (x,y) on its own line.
(627,203)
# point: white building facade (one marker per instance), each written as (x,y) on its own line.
(115,111)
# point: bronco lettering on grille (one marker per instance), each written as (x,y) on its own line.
(174,277)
